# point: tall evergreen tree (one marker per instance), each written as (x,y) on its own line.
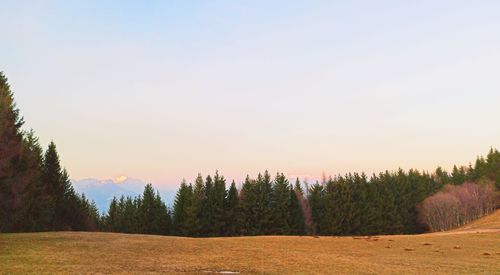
(316,202)
(111,220)
(280,203)
(248,200)
(207,220)
(296,218)
(66,208)
(37,208)
(218,206)
(11,184)
(458,175)
(195,211)
(181,206)
(232,209)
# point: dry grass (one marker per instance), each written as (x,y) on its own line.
(489,222)
(80,252)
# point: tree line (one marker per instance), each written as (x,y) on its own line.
(36,195)
(353,204)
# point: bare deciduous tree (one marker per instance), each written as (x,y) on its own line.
(455,206)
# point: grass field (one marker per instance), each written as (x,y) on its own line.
(472,249)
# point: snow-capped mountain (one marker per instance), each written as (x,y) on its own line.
(103,191)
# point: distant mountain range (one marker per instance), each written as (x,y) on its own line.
(103,191)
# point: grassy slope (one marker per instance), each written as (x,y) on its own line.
(489,222)
(70,252)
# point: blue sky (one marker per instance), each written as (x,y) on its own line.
(163,90)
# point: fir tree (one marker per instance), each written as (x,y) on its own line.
(232,211)
(296,218)
(11,183)
(181,206)
(195,211)
(316,202)
(218,206)
(65,200)
(281,205)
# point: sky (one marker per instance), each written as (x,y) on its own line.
(162,90)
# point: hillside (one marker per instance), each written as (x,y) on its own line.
(490,222)
(460,251)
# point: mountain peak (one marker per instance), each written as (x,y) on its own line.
(120,179)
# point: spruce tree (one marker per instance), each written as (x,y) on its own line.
(248,218)
(219,213)
(316,202)
(208,208)
(296,218)
(11,183)
(111,219)
(281,198)
(195,210)
(56,179)
(37,205)
(95,217)
(264,208)
(458,175)
(232,210)
(181,205)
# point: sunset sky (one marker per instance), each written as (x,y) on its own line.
(162,90)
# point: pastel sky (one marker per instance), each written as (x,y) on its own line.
(162,90)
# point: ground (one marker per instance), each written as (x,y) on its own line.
(472,249)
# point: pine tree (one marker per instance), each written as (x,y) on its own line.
(11,178)
(160,223)
(95,217)
(37,207)
(296,218)
(316,202)
(181,206)
(248,218)
(232,211)
(67,211)
(195,210)
(441,176)
(280,200)
(492,169)
(130,213)
(155,215)
(208,208)
(264,208)
(458,176)
(219,198)
(112,216)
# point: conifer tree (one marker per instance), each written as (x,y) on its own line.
(218,205)
(148,210)
(232,209)
(492,168)
(112,216)
(280,200)
(11,184)
(208,207)
(458,176)
(296,218)
(37,205)
(95,217)
(57,181)
(159,216)
(247,206)
(264,204)
(316,202)
(195,211)
(181,206)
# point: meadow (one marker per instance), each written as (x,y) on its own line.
(473,249)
